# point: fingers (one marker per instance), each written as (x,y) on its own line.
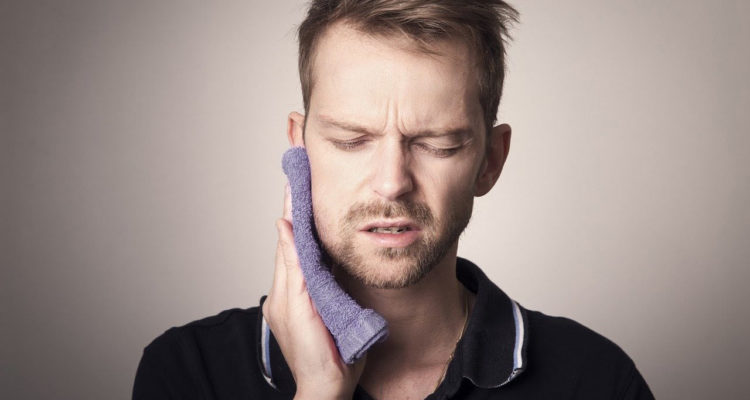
(287,203)
(279,274)
(296,291)
(295,282)
(278,293)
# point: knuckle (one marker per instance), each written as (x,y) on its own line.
(290,264)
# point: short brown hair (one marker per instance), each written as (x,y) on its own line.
(482,24)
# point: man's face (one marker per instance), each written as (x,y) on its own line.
(396,142)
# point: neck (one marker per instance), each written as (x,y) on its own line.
(433,308)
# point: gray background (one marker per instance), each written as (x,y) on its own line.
(141,143)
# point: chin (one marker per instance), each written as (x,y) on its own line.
(389,268)
(394,274)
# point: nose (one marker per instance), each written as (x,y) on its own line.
(392,178)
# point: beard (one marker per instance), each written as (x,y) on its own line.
(390,267)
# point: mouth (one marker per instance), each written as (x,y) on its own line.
(392,233)
(392,227)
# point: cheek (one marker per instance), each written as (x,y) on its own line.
(443,188)
(450,178)
(321,190)
(323,211)
(331,191)
(335,175)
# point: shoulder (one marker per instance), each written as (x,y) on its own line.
(217,334)
(580,361)
(564,337)
(195,359)
(232,323)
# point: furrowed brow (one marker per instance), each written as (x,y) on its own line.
(354,127)
(347,126)
(455,132)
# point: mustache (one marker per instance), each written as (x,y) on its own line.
(419,212)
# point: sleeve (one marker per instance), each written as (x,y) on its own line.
(167,371)
(637,388)
(149,382)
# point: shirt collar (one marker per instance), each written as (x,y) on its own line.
(491,353)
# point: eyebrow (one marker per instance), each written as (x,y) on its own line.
(354,127)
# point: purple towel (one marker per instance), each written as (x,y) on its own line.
(353,328)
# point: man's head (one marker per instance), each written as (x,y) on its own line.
(482,25)
(398,128)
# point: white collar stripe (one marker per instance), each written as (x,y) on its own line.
(518,349)
(266,352)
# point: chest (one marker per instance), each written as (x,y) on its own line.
(405,386)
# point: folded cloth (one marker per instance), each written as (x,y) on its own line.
(353,328)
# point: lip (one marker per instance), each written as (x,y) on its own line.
(397,240)
(397,223)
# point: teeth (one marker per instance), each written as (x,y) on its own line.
(392,229)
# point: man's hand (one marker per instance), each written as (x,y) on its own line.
(308,347)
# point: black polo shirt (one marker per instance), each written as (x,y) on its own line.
(506,352)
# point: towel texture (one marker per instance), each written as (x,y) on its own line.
(353,328)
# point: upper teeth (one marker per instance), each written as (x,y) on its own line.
(394,229)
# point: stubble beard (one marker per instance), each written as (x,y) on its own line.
(396,268)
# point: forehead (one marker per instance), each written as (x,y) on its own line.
(369,77)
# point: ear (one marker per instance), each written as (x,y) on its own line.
(498,146)
(295,129)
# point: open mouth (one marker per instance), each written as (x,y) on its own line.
(390,229)
(394,233)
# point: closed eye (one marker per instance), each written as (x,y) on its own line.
(437,151)
(348,144)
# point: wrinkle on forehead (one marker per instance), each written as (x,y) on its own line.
(384,83)
(328,121)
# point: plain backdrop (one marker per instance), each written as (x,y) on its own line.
(141,146)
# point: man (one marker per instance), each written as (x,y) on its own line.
(400,101)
